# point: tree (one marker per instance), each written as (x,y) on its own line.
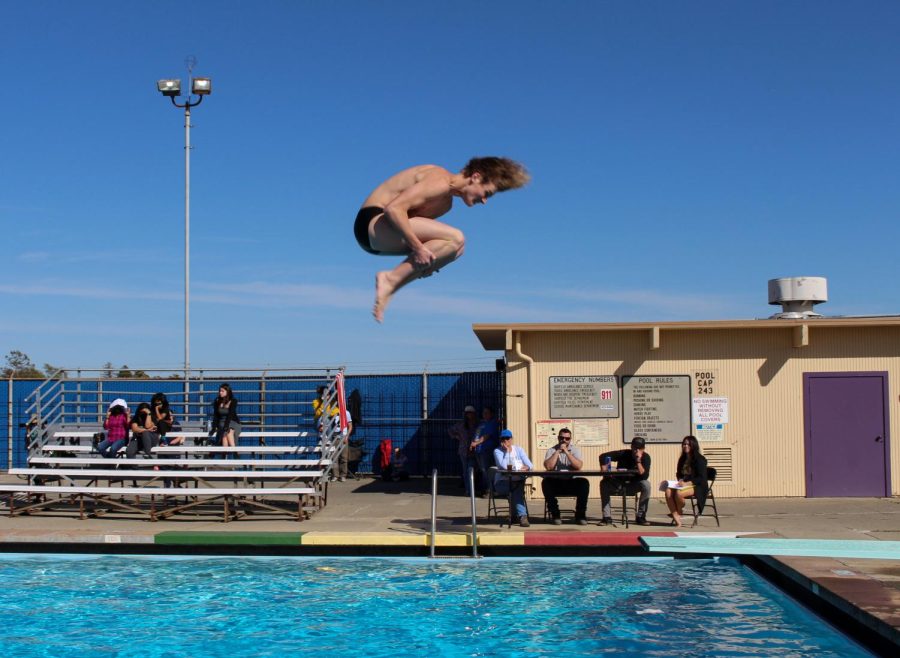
(50,370)
(127,373)
(107,370)
(19,366)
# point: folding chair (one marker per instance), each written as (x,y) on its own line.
(492,505)
(492,501)
(355,453)
(492,495)
(710,498)
(561,510)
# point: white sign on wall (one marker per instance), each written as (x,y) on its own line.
(547,431)
(585,433)
(591,433)
(710,411)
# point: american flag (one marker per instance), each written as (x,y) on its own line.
(342,400)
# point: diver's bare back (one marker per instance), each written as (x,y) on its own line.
(432,208)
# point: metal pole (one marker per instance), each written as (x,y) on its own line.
(425,457)
(434,476)
(187,238)
(200,401)
(100,401)
(79,419)
(186,409)
(262,404)
(471,476)
(9,423)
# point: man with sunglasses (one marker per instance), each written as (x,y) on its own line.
(565,457)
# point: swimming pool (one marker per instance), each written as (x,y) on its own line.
(150,606)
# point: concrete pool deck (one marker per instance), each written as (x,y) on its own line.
(395,518)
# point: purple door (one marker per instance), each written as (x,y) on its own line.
(846,436)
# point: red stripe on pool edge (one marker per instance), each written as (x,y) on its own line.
(590,538)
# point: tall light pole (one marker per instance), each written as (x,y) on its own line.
(200,87)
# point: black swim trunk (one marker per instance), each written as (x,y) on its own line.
(361,227)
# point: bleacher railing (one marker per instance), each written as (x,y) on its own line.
(414,410)
(275,399)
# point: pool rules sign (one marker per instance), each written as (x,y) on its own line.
(656,407)
(589,396)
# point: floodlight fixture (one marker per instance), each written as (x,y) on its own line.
(170,88)
(201,86)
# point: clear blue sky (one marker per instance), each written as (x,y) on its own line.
(682,155)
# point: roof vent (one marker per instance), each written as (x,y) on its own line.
(797,295)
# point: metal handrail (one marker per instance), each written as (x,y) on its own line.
(474,523)
(52,379)
(434,485)
(434,476)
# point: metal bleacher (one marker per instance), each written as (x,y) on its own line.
(282,463)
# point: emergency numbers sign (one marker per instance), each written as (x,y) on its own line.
(589,396)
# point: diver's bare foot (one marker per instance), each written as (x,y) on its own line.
(382,296)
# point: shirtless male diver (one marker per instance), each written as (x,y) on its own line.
(399,218)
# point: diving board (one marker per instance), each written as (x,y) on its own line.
(831,548)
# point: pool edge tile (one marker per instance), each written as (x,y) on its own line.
(325,538)
(217,538)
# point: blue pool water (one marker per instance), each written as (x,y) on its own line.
(149,606)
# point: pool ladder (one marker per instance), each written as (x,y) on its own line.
(470,474)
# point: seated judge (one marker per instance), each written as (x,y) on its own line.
(565,456)
(692,480)
(634,459)
(509,457)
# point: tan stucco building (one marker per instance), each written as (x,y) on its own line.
(781,407)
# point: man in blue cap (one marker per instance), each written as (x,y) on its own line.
(509,457)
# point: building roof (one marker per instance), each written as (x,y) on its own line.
(493,335)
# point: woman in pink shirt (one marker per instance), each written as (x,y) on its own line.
(116,426)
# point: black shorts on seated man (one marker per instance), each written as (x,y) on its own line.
(565,457)
(632,459)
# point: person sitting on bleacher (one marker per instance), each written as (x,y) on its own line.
(226,423)
(318,405)
(116,426)
(163,419)
(143,433)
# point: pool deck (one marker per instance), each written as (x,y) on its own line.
(394,518)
